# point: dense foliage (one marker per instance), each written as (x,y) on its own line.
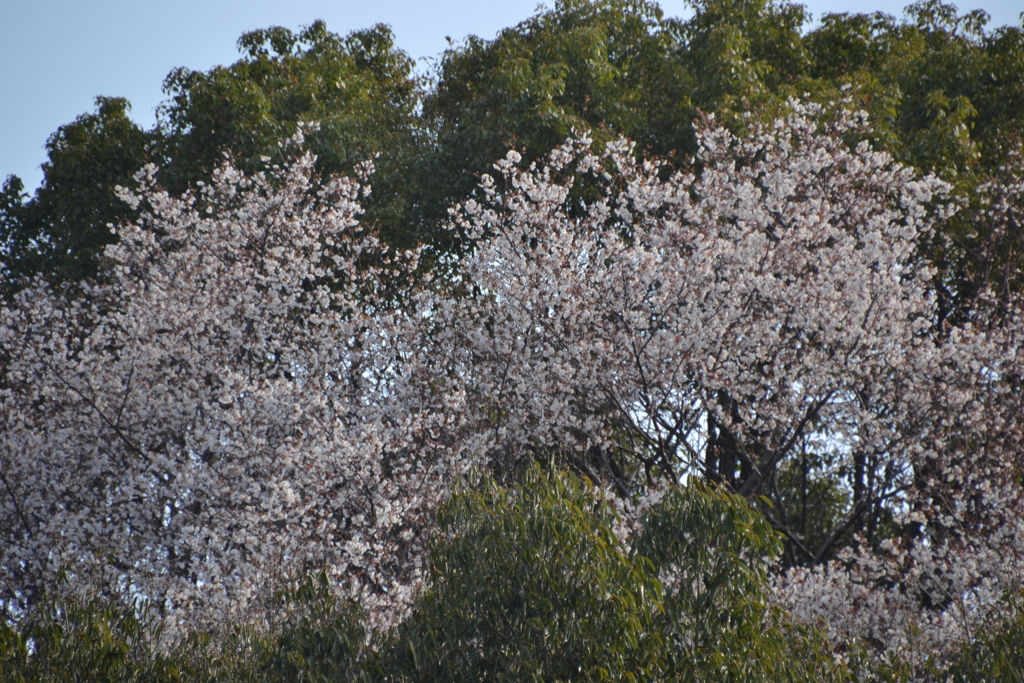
(776,340)
(542,583)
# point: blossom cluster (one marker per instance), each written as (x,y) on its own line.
(228,409)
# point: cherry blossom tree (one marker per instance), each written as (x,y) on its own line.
(765,316)
(232,407)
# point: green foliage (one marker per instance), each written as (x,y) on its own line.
(953,84)
(742,52)
(320,639)
(13,238)
(713,550)
(64,228)
(808,500)
(306,636)
(533,584)
(68,639)
(359,89)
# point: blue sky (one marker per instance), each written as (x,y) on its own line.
(58,55)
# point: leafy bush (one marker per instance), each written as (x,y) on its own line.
(67,638)
(712,551)
(531,584)
(534,584)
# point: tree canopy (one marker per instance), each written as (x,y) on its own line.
(944,95)
(62,230)
(659,347)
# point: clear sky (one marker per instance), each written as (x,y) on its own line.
(58,55)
